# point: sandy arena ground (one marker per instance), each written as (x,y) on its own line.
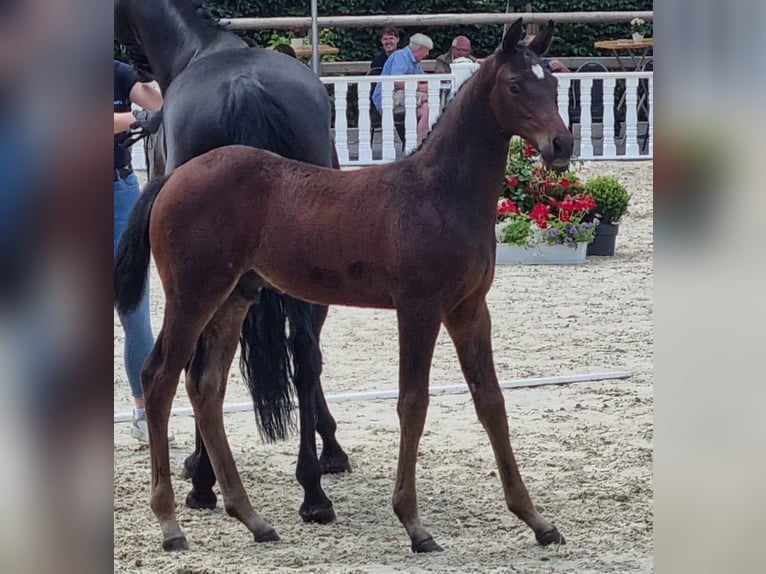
(585,449)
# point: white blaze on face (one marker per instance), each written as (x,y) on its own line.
(538,71)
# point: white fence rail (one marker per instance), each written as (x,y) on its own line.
(612,114)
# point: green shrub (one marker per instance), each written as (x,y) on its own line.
(611,198)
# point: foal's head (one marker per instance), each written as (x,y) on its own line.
(523,97)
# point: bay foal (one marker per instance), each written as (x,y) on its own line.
(416,236)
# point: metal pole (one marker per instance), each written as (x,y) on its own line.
(314,37)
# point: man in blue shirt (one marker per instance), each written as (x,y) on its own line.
(407,62)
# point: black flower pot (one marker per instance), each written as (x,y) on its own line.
(604,242)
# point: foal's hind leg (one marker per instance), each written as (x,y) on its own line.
(159,376)
(469,327)
(206,386)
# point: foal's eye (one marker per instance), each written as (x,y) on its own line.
(514,87)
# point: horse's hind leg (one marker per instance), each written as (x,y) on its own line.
(197,467)
(305,322)
(469,328)
(333,459)
(206,386)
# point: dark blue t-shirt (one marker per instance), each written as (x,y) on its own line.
(124,80)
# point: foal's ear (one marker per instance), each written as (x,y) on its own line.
(542,41)
(512,37)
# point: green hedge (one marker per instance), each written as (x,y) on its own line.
(363,43)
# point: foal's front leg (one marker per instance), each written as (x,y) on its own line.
(469,327)
(418,329)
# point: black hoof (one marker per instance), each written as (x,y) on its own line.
(552,537)
(199,500)
(317,514)
(334,464)
(268,536)
(175,544)
(427,545)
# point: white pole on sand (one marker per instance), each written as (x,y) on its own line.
(433,391)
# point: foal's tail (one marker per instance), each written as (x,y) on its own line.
(265,362)
(131,263)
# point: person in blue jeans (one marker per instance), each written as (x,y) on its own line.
(137,326)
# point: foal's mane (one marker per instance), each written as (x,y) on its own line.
(492,63)
(451,106)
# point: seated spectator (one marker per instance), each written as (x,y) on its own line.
(405,62)
(461,48)
(389,39)
(552,64)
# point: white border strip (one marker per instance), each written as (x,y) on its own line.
(393,394)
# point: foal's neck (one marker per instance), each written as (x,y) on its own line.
(468,147)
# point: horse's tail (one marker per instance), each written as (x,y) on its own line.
(131,263)
(265,362)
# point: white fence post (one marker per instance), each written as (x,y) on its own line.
(631,117)
(365,129)
(610,149)
(650,118)
(387,119)
(562,99)
(461,72)
(410,119)
(341,123)
(586,136)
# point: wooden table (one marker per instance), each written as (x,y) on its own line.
(324,50)
(637,50)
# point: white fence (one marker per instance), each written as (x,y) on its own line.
(614,113)
(615,121)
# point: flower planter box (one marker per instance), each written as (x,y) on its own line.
(540,254)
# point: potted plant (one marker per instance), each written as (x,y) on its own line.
(638,28)
(541,214)
(611,199)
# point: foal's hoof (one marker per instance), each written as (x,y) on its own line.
(317,514)
(427,545)
(268,536)
(175,544)
(334,464)
(199,500)
(551,537)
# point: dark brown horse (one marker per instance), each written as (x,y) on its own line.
(416,236)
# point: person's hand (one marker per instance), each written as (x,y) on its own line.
(147,121)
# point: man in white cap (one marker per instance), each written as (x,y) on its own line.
(407,61)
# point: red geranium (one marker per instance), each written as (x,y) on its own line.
(539,215)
